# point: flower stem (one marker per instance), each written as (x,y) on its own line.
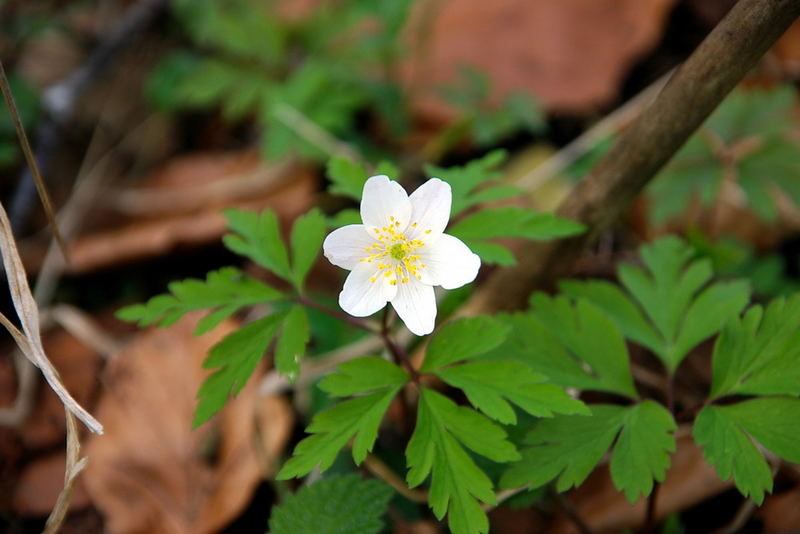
(400,356)
(355,321)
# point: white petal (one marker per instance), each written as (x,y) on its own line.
(382,200)
(347,245)
(448,262)
(430,209)
(415,303)
(361,296)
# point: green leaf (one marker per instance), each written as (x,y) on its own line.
(225,291)
(727,432)
(464,180)
(590,337)
(491,386)
(677,300)
(492,253)
(306,239)
(642,452)
(347,177)
(344,217)
(292,343)
(437,448)
(513,221)
(463,339)
(363,375)
(237,356)
(334,505)
(258,237)
(760,353)
(566,448)
(360,417)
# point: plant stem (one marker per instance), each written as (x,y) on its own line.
(400,356)
(355,321)
(650,516)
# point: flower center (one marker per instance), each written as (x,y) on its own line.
(397,251)
(389,242)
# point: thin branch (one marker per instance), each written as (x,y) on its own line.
(383,472)
(693,92)
(31,159)
(355,321)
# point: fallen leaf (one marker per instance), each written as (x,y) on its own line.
(571,54)
(151,472)
(781,512)
(41,481)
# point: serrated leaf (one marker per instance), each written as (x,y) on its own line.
(492,253)
(258,237)
(347,177)
(334,505)
(642,452)
(237,356)
(492,386)
(292,342)
(672,295)
(590,337)
(463,339)
(306,239)
(225,291)
(463,180)
(759,354)
(566,448)
(725,433)
(360,417)
(363,375)
(513,221)
(437,448)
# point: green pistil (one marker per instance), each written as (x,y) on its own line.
(397,251)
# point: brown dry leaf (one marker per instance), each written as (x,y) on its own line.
(151,472)
(36,491)
(571,54)
(781,512)
(689,481)
(181,206)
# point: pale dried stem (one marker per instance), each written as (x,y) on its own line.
(75,464)
(383,472)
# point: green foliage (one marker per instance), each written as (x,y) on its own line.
(727,434)
(333,505)
(378,381)
(258,237)
(745,141)
(320,70)
(308,233)
(436,448)
(463,340)
(488,124)
(501,222)
(670,307)
(568,447)
(225,291)
(348,177)
(292,342)
(759,354)
(235,359)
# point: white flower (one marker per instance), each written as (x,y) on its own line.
(400,252)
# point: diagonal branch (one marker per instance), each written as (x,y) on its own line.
(693,92)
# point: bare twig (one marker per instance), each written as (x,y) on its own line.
(383,472)
(31,159)
(28,314)
(696,88)
(75,464)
